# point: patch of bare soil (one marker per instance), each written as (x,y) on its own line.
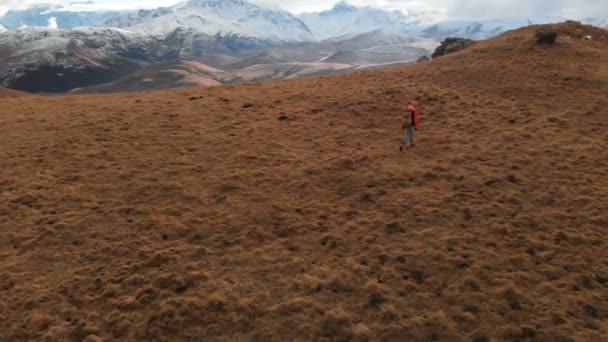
(283,211)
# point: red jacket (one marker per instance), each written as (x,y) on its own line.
(415,116)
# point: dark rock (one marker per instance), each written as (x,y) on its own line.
(514,304)
(471,308)
(248,105)
(376,299)
(481,338)
(423,59)
(528,332)
(418,276)
(450,45)
(558,320)
(463,265)
(590,310)
(546,36)
(393,228)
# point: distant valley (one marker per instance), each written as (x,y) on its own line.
(51,61)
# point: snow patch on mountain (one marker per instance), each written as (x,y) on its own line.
(43,46)
(224,17)
(39,15)
(603,23)
(344,19)
(484,29)
(39,59)
(52,23)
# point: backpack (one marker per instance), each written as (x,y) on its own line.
(412,108)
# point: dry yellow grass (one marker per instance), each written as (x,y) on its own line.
(185,215)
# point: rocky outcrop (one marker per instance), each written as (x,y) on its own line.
(546,36)
(422,59)
(450,45)
(344,57)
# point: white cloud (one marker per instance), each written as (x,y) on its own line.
(462,9)
(53,23)
(527,8)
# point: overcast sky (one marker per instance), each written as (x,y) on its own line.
(456,9)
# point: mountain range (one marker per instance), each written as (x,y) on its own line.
(344,19)
(67,18)
(51,48)
(42,60)
(237,17)
(243,18)
(45,60)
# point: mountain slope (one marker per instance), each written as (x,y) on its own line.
(161,76)
(4,92)
(599,22)
(237,17)
(484,29)
(344,19)
(39,15)
(381,47)
(189,43)
(187,74)
(284,211)
(42,60)
(45,60)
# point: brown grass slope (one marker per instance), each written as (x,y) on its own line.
(4,92)
(184,215)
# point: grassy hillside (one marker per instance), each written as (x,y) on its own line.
(283,211)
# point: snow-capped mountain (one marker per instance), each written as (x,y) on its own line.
(344,19)
(223,17)
(484,29)
(239,18)
(189,44)
(46,58)
(31,40)
(39,15)
(603,23)
(49,60)
(38,59)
